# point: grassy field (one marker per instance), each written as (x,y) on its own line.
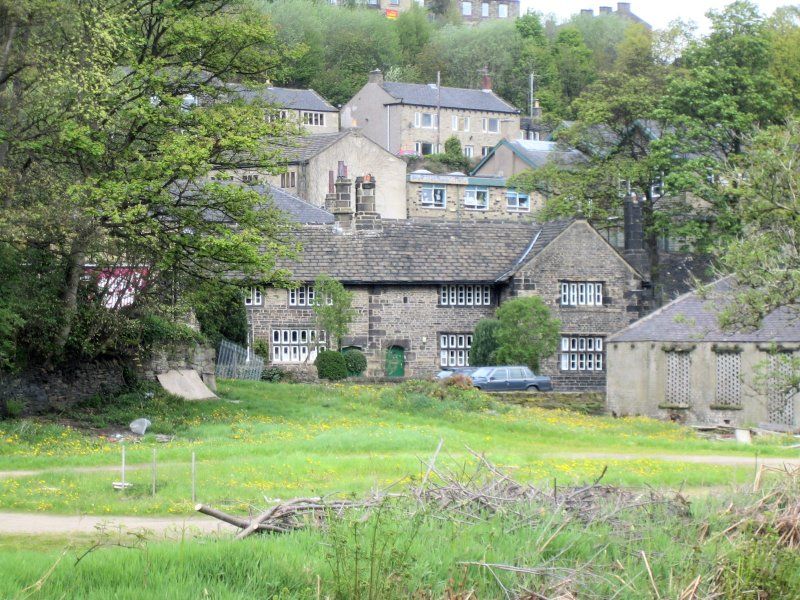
(266,441)
(279,441)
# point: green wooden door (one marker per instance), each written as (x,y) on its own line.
(395,362)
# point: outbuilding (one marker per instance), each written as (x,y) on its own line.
(678,363)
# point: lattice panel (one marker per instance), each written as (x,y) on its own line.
(678,387)
(729,383)
(780,404)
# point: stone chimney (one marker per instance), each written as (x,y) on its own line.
(624,7)
(367,218)
(587,12)
(605,10)
(487,81)
(341,198)
(536,113)
(634,250)
(375,77)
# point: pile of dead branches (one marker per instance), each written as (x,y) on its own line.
(465,496)
(778,510)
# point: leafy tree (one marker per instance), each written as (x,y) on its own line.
(333,307)
(602,35)
(219,307)
(573,61)
(124,119)
(484,343)
(765,256)
(527,332)
(414,30)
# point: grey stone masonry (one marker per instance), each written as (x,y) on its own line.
(580,256)
(430,313)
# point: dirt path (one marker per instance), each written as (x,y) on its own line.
(707,459)
(170,527)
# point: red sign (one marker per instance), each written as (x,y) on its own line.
(391,13)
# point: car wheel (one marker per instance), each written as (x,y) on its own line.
(477,387)
(533,388)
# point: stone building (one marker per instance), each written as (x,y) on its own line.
(623,12)
(510,157)
(311,159)
(478,11)
(456,196)
(677,363)
(421,286)
(305,107)
(417,119)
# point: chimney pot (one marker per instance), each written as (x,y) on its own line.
(487,81)
(587,12)
(624,7)
(605,10)
(375,76)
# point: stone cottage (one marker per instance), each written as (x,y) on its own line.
(418,118)
(460,196)
(677,363)
(421,286)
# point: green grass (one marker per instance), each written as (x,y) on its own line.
(395,553)
(279,441)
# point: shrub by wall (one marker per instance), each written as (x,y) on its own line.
(331,365)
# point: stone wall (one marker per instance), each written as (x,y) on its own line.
(580,254)
(42,391)
(454,208)
(637,385)
(409,317)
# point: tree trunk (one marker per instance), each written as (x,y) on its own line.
(69,293)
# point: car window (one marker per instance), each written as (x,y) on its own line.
(482,372)
(516,373)
(500,374)
(528,373)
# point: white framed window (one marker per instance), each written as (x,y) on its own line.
(317,119)
(465,295)
(304,296)
(458,123)
(581,293)
(424,120)
(466,9)
(476,198)
(424,148)
(289,179)
(502,11)
(433,196)
(484,9)
(517,201)
(253,297)
(485,150)
(581,353)
(469,151)
(491,125)
(454,349)
(296,345)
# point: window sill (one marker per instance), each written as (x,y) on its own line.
(725,407)
(427,206)
(675,406)
(518,210)
(476,209)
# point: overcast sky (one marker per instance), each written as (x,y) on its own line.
(656,12)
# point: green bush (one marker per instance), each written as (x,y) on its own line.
(14,408)
(331,365)
(275,374)
(438,397)
(355,360)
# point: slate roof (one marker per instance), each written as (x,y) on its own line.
(536,154)
(692,318)
(421,94)
(287,98)
(421,252)
(301,149)
(298,210)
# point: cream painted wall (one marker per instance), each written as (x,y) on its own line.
(362,156)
